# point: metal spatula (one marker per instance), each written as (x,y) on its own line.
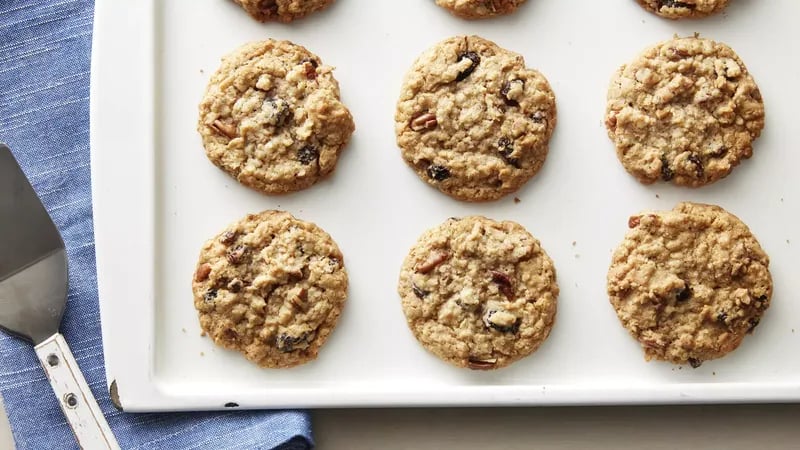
(33,294)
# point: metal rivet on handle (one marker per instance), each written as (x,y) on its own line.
(52,359)
(71,400)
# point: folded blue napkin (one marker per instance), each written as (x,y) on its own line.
(45,47)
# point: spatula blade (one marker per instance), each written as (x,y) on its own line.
(33,261)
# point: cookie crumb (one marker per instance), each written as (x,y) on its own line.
(183,330)
(202,354)
(574,243)
(714,373)
(658,196)
(517,200)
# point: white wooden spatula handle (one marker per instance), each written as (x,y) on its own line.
(76,400)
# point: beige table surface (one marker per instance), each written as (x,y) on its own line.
(621,428)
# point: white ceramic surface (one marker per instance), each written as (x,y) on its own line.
(157,199)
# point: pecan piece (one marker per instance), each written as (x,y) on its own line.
(633,221)
(611,122)
(310,67)
(300,299)
(481,364)
(649,343)
(695,363)
(433,261)
(424,122)
(225,129)
(202,273)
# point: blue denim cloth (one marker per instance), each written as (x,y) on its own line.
(45,46)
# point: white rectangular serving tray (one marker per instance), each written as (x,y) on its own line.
(157,199)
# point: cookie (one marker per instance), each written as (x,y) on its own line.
(673,9)
(271,287)
(472,120)
(690,283)
(272,118)
(685,111)
(281,10)
(480,9)
(479,293)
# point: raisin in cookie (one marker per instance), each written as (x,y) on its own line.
(271,117)
(673,9)
(472,120)
(479,293)
(690,283)
(281,10)
(480,9)
(685,111)
(272,287)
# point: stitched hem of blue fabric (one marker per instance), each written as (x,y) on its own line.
(45,48)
